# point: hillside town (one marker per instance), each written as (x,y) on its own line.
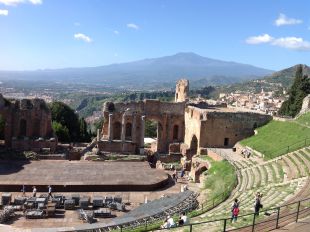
(264,102)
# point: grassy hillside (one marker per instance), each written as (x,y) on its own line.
(277,138)
(304,119)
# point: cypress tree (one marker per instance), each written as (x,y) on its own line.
(298,91)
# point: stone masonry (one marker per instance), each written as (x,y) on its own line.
(27,124)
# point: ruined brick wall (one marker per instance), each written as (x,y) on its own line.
(182,90)
(170,118)
(25,121)
(220,128)
(192,125)
(225,129)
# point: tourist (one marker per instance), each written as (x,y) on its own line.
(170,222)
(184,218)
(175,175)
(165,224)
(50,192)
(234,210)
(182,172)
(258,204)
(180,222)
(34,191)
(24,190)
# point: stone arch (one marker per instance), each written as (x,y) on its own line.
(175,134)
(128,132)
(194,145)
(22,127)
(36,128)
(117,130)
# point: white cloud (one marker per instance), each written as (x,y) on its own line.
(294,43)
(81,36)
(36,2)
(284,20)
(133,26)
(116,32)
(16,2)
(265,38)
(4,12)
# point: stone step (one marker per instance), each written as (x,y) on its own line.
(298,164)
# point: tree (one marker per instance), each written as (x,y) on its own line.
(61,132)
(69,120)
(84,134)
(299,90)
(150,128)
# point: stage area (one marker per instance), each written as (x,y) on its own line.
(81,176)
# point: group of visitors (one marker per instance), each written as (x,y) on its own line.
(175,174)
(34,191)
(169,221)
(257,206)
(246,153)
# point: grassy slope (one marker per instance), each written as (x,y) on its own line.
(274,138)
(304,119)
(220,179)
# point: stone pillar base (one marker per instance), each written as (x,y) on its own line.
(141,151)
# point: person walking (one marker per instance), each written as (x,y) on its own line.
(50,192)
(234,210)
(34,191)
(24,190)
(175,175)
(257,204)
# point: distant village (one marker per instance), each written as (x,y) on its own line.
(264,102)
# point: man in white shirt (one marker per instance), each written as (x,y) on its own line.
(34,191)
(185,219)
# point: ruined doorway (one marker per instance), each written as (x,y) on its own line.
(226,142)
(150,134)
(128,132)
(22,128)
(175,132)
(194,145)
(2,129)
(117,131)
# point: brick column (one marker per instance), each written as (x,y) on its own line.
(142,135)
(123,127)
(110,128)
(133,128)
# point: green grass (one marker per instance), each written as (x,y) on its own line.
(274,138)
(221,178)
(304,119)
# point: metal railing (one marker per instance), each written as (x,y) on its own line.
(289,148)
(267,220)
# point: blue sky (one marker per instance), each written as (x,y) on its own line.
(38,34)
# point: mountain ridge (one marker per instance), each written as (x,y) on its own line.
(150,70)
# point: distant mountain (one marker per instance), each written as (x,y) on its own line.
(276,81)
(149,71)
(286,76)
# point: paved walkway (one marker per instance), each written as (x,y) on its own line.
(301,226)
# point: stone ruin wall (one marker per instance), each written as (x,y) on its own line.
(192,125)
(28,124)
(234,126)
(305,105)
(182,90)
(212,127)
(166,114)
